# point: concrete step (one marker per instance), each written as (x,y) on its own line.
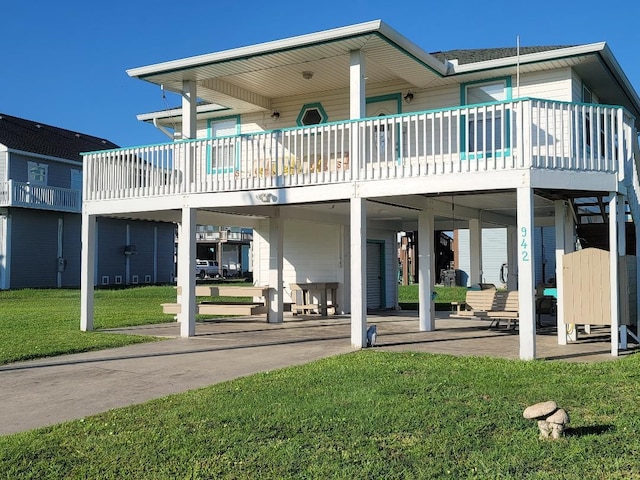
(243,309)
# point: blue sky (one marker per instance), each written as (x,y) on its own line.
(64,63)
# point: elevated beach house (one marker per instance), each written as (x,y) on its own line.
(40,216)
(330,143)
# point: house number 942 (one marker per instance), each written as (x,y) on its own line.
(524,245)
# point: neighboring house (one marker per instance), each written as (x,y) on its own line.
(40,215)
(229,246)
(328,144)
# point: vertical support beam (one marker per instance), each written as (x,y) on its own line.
(622,252)
(357,93)
(87,272)
(357,107)
(155,255)
(60,252)
(341,274)
(475,251)
(276,278)
(127,258)
(561,248)
(358,227)
(186,272)
(613,269)
(189,104)
(526,272)
(512,258)
(426,266)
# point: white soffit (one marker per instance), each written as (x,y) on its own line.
(274,69)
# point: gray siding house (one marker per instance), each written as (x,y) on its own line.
(40,216)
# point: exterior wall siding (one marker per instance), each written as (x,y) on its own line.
(494,254)
(58,175)
(71,249)
(4,167)
(33,256)
(315,252)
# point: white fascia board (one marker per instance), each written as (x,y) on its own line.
(361,29)
(43,157)
(177,112)
(555,54)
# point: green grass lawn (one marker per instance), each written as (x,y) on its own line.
(366,415)
(409,294)
(369,414)
(39,323)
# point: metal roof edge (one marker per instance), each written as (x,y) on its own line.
(530,58)
(617,71)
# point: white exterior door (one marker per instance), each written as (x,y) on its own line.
(374,275)
(223,153)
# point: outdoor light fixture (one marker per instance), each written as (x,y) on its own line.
(408,97)
(275,115)
(307,75)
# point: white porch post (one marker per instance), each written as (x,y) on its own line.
(358,272)
(426,265)
(357,95)
(475,251)
(186,272)
(614,248)
(87,272)
(189,104)
(561,248)
(526,273)
(276,278)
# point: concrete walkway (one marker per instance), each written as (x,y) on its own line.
(53,390)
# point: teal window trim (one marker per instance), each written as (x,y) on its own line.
(210,121)
(383,271)
(309,106)
(398,99)
(505,149)
(385,98)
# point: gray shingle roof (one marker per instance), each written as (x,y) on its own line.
(35,137)
(484,54)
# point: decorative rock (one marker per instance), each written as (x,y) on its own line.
(540,410)
(551,419)
(557,421)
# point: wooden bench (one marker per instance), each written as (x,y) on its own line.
(505,307)
(490,305)
(476,302)
(226,308)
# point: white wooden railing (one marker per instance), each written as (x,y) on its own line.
(27,195)
(527,133)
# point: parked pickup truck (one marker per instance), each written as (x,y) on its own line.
(207,268)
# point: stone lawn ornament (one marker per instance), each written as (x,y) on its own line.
(551,419)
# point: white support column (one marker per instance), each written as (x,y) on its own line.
(426,265)
(561,249)
(622,252)
(186,272)
(276,278)
(87,271)
(614,245)
(526,272)
(189,104)
(475,251)
(357,95)
(358,272)
(512,258)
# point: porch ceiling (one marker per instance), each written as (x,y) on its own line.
(274,69)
